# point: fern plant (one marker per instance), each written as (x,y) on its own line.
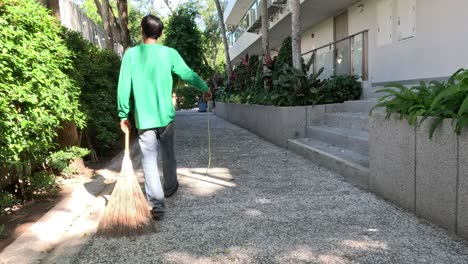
(437,99)
(452,102)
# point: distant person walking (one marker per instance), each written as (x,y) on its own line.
(146,72)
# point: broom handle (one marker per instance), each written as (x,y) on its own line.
(127,142)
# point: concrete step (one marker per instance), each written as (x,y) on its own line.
(370,93)
(353,166)
(354,140)
(355,121)
(361,106)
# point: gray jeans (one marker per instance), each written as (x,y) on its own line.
(148,141)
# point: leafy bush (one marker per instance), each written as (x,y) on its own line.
(60,160)
(452,102)
(286,86)
(243,75)
(96,71)
(293,87)
(36,95)
(438,99)
(183,35)
(284,55)
(43,185)
(411,102)
(187,96)
(7,199)
(340,88)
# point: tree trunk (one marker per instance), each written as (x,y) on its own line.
(296,34)
(225,42)
(168,6)
(123,18)
(93,154)
(107,27)
(54,5)
(265,42)
(67,135)
(114,27)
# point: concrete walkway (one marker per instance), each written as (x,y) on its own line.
(264,204)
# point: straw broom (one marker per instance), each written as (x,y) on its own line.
(127,212)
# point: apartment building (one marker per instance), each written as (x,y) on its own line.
(380,40)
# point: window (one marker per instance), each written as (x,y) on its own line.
(406,19)
(385,19)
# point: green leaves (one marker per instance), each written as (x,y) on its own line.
(438,99)
(183,35)
(342,88)
(96,72)
(35,93)
(284,55)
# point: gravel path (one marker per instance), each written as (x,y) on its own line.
(264,204)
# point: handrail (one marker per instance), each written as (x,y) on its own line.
(348,63)
(338,41)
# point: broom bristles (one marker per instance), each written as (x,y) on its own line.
(127,212)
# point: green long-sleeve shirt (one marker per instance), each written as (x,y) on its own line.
(146,71)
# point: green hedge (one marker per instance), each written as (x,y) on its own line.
(36,95)
(48,77)
(286,86)
(96,71)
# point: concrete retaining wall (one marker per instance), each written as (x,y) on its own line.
(425,176)
(276,124)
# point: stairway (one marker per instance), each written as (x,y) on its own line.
(340,140)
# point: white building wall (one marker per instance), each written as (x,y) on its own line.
(437,50)
(322,35)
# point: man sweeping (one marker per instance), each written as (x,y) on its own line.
(146,72)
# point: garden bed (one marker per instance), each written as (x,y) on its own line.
(274,123)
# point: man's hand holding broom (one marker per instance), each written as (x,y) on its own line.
(125,125)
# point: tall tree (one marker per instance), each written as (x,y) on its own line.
(211,36)
(123,19)
(223,34)
(183,35)
(265,42)
(296,34)
(107,26)
(95,10)
(169,6)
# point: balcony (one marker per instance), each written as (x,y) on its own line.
(252,20)
(248,25)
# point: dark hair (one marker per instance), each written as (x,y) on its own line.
(152,26)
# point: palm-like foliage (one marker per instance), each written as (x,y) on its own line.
(437,99)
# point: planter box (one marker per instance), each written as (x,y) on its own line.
(392,160)
(462,209)
(436,174)
(276,124)
(426,176)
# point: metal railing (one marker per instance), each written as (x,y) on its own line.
(345,56)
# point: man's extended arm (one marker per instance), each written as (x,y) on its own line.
(123,91)
(180,68)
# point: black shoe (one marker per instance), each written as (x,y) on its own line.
(171,192)
(157,213)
